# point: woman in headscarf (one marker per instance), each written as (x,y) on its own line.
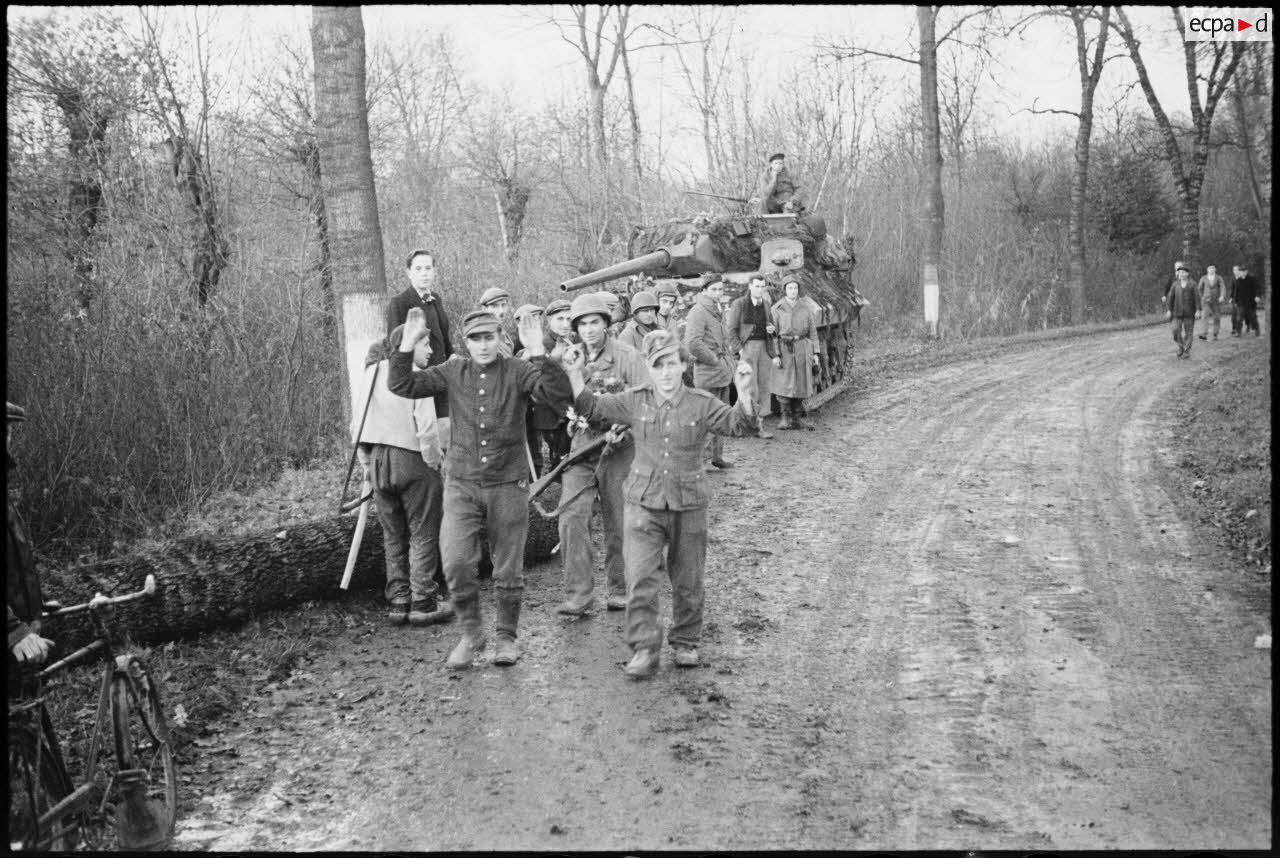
(797,324)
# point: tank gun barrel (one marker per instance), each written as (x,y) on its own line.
(693,251)
(657,259)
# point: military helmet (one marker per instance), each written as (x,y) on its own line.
(592,303)
(642,301)
(611,300)
(667,288)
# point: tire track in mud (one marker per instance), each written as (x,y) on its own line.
(947,618)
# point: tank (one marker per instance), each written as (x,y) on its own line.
(779,247)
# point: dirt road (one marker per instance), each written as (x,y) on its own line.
(960,614)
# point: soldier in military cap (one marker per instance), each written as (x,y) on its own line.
(667,295)
(553,426)
(666,494)
(486,473)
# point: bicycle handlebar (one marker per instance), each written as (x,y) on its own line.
(100,601)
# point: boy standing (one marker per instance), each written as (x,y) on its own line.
(486,473)
(666,493)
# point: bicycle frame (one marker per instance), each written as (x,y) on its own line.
(117,687)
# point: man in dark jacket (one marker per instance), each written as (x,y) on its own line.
(22,581)
(1184,303)
(1246,293)
(750,332)
(486,476)
(421,268)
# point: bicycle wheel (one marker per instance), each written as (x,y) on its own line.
(143,745)
(37,781)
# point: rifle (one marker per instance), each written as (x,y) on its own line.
(545,480)
(742,200)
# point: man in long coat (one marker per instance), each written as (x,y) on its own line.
(707,341)
(797,324)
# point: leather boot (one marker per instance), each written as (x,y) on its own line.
(472,642)
(800,422)
(508,613)
(762,432)
(784,404)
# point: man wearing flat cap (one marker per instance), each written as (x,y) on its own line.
(666,493)
(1184,304)
(778,192)
(486,473)
(497,301)
(421,270)
(22,580)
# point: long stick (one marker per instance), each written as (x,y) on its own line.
(356,539)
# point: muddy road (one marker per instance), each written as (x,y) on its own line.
(962,613)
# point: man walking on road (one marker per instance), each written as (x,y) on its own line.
(1213,291)
(1245,294)
(1184,305)
(486,473)
(666,494)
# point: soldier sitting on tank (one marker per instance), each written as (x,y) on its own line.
(778,192)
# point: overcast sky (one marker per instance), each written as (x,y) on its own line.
(512,48)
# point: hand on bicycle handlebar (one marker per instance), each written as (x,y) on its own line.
(32,649)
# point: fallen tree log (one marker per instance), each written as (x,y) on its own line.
(205,583)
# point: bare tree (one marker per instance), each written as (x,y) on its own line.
(1187,164)
(701,39)
(186,148)
(342,130)
(1090,58)
(86,65)
(932,206)
(500,149)
(600,54)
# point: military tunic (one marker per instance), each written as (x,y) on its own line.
(666,495)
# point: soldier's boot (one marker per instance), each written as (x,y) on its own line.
(472,640)
(799,421)
(508,619)
(762,432)
(784,404)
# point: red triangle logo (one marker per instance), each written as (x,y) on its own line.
(1243,25)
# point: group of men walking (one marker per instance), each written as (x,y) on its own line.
(450,443)
(1186,301)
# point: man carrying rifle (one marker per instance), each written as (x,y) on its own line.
(610,367)
(486,470)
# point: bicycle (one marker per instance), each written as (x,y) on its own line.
(127,803)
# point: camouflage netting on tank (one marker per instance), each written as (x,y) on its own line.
(741,252)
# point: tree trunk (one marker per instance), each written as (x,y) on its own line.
(310,154)
(1089,76)
(932,209)
(342,132)
(87,133)
(206,583)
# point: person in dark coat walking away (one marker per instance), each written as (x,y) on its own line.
(1246,294)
